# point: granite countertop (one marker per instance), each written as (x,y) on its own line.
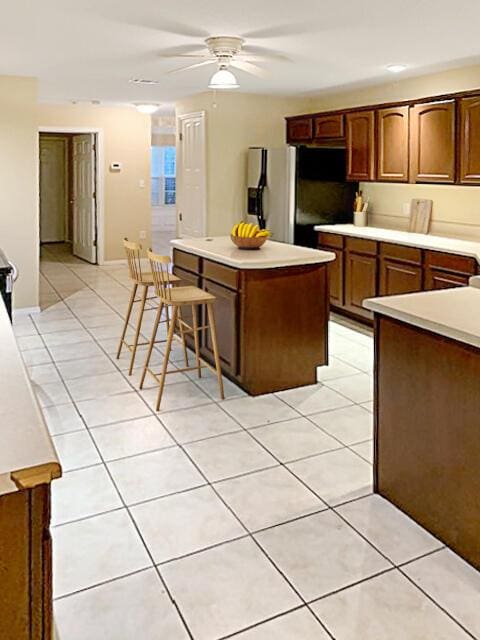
(26,449)
(453,313)
(272,254)
(419,240)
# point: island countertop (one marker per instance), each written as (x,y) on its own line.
(27,454)
(271,255)
(452,313)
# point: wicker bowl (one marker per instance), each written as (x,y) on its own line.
(248,243)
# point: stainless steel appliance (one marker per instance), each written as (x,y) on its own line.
(289,190)
(8,275)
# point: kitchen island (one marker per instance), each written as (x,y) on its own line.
(427,411)
(271,309)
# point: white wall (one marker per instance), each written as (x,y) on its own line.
(19,223)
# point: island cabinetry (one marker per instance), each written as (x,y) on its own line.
(392,144)
(432,141)
(400,269)
(360,133)
(470,140)
(446,270)
(187,279)
(360,274)
(329,127)
(272,323)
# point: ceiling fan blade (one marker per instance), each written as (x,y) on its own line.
(282,30)
(191,66)
(248,67)
(184,51)
(265,52)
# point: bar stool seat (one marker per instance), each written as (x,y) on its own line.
(142,280)
(177,298)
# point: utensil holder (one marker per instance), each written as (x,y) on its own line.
(360,218)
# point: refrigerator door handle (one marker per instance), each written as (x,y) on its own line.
(260,189)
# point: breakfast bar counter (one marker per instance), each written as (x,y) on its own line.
(271,309)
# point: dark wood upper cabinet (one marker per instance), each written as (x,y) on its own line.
(360,133)
(329,127)
(299,130)
(470,140)
(392,144)
(432,148)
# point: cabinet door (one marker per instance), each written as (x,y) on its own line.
(437,279)
(187,279)
(392,144)
(226,319)
(329,127)
(360,282)
(433,142)
(335,277)
(360,145)
(399,277)
(299,130)
(470,140)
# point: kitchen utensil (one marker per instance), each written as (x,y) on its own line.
(420,215)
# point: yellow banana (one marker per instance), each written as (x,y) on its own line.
(246,229)
(234,230)
(263,233)
(253,231)
(240,229)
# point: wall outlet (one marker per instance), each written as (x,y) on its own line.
(141,184)
(142,235)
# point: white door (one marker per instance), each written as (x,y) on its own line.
(84,206)
(53,189)
(191,176)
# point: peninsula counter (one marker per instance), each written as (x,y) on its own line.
(271,309)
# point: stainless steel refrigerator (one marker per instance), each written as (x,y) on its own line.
(290,190)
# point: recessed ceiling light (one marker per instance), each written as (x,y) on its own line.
(147,108)
(223,79)
(143,81)
(396,68)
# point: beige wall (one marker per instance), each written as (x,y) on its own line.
(239,121)
(456,210)
(127,138)
(19,226)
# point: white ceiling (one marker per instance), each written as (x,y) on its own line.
(88,49)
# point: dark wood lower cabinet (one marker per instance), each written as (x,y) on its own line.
(436,279)
(226,320)
(399,277)
(335,275)
(187,279)
(427,437)
(360,282)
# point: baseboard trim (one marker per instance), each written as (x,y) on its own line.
(107,263)
(25,311)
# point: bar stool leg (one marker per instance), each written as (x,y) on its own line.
(139,326)
(152,342)
(182,334)
(196,340)
(166,357)
(127,318)
(213,333)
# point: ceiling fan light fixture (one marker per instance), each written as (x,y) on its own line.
(223,79)
(396,68)
(147,108)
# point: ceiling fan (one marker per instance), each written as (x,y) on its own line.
(225,52)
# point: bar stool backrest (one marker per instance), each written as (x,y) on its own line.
(160,272)
(132,249)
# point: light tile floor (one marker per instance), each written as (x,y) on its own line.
(251,517)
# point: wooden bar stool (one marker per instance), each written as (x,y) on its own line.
(143,281)
(177,298)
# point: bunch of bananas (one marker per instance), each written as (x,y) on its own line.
(248,230)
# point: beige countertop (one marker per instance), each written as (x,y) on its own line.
(453,313)
(26,449)
(419,240)
(271,255)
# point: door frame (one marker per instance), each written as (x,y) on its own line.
(99,179)
(179,176)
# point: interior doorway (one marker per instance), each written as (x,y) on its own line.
(68,192)
(191,175)
(163,182)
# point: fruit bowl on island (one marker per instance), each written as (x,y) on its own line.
(248,236)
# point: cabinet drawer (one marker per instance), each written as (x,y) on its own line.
(360,245)
(187,279)
(331,240)
(439,279)
(221,274)
(401,253)
(450,262)
(186,260)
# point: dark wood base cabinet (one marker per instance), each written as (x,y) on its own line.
(427,436)
(367,269)
(272,324)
